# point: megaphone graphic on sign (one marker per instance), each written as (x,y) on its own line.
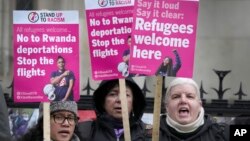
(123,68)
(49,91)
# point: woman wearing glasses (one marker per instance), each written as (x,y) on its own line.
(63,120)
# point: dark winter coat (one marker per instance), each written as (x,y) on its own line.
(210,131)
(4,122)
(102,129)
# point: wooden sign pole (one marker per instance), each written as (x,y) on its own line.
(125,118)
(46,121)
(157,108)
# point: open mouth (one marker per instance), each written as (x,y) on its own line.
(118,109)
(183,111)
(64,132)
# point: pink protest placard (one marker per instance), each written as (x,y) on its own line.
(46,55)
(109,26)
(164,37)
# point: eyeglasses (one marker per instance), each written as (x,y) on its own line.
(72,120)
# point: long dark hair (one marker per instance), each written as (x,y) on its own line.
(167,69)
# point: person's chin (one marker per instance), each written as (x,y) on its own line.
(63,137)
(184,121)
(118,116)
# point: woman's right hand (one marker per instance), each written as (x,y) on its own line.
(66,73)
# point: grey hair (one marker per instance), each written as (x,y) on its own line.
(181,81)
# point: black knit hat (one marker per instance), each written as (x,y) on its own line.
(104,88)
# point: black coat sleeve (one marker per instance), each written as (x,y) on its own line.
(4,120)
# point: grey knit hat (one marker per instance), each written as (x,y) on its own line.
(56,106)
